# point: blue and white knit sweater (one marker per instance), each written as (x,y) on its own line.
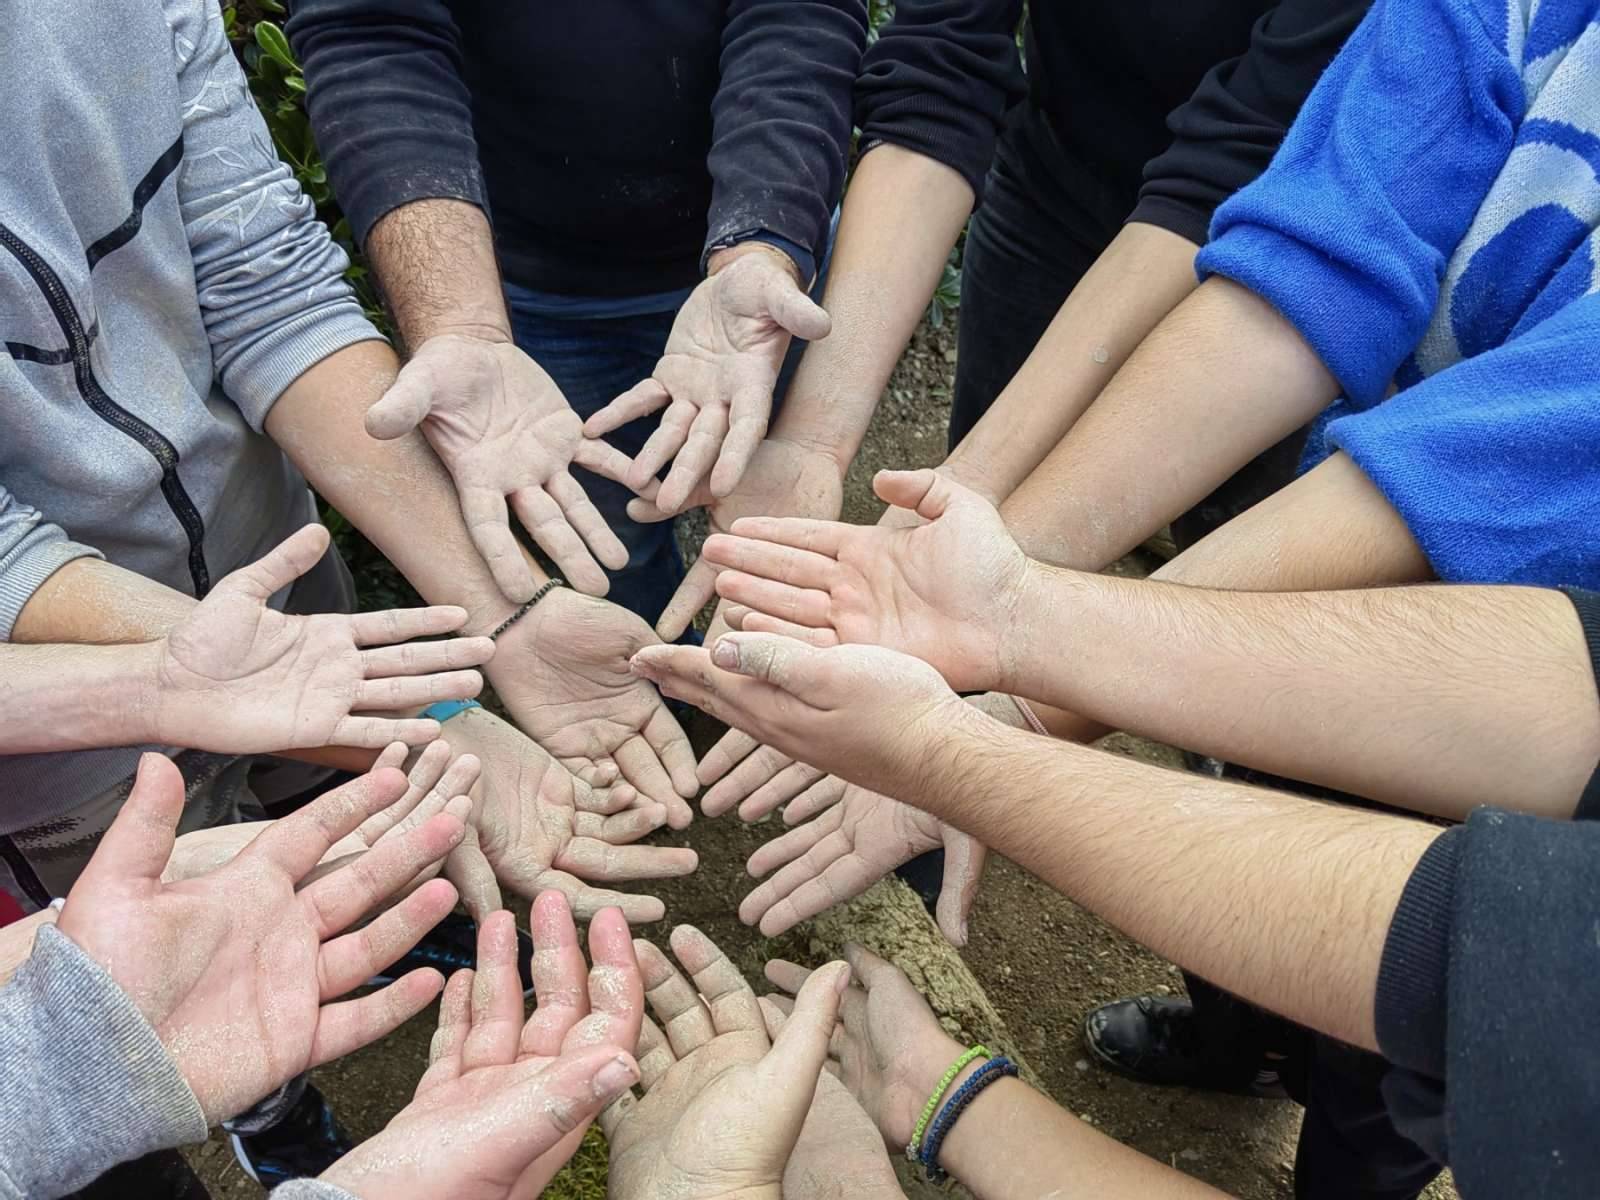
(1432,221)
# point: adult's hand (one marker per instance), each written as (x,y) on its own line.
(723,1107)
(784,479)
(505,1100)
(563,673)
(239,971)
(237,677)
(859,838)
(503,429)
(538,827)
(943,591)
(867,714)
(889,1048)
(716,377)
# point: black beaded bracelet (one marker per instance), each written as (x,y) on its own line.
(550,585)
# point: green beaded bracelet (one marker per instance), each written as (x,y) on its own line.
(914,1146)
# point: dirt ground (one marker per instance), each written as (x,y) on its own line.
(1039,960)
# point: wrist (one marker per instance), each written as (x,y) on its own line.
(724,257)
(1024,646)
(823,449)
(143,713)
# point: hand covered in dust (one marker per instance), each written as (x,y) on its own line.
(238,971)
(503,429)
(505,1100)
(944,591)
(723,1106)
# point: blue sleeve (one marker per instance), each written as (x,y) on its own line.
(781,118)
(1349,231)
(1494,463)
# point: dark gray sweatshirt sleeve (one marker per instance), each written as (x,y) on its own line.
(85,1081)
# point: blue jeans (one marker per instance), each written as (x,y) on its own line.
(593,361)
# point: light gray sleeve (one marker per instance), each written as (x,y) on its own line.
(31,550)
(269,277)
(311,1189)
(85,1081)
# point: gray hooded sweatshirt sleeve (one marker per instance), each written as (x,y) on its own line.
(163,279)
(85,1083)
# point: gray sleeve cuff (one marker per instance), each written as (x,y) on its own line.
(87,1083)
(311,1189)
(258,376)
(31,550)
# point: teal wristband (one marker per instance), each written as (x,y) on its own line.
(445,709)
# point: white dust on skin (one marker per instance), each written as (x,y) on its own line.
(1101,355)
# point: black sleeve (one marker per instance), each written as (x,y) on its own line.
(390,112)
(940,79)
(1588,606)
(1489,981)
(1227,133)
(781,118)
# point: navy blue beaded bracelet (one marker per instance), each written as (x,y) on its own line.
(994,1069)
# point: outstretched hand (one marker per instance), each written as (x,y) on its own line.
(716,377)
(562,671)
(942,591)
(723,1107)
(503,429)
(238,677)
(506,1097)
(238,971)
(864,713)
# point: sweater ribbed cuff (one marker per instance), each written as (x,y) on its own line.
(264,372)
(85,1080)
(1413,976)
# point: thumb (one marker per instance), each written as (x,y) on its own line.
(282,565)
(787,664)
(139,841)
(964,860)
(401,409)
(791,1068)
(926,492)
(795,311)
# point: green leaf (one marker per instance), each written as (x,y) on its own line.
(295,83)
(271,6)
(270,38)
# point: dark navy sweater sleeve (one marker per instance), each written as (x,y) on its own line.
(781,118)
(1491,967)
(940,79)
(392,115)
(1228,132)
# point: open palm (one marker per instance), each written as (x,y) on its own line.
(239,677)
(939,591)
(563,673)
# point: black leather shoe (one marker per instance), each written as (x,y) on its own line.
(1155,1039)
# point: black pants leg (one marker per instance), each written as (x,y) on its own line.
(160,1176)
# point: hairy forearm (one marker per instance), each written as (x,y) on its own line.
(1142,276)
(1013,1142)
(1283,901)
(435,264)
(1219,380)
(396,492)
(901,216)
(1329,529)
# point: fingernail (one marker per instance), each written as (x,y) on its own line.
(725,654)
(842,983)
(616,1075)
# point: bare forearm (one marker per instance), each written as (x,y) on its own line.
(1141,277)
(436,267)
(1014,1142)
(901,216)
(65,697)
(90,601)
(396,492)
(1220,380)
(1283,901)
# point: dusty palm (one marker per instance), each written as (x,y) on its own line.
(504,430)
(238,677)
(716,377)
(939,591)
(565,677)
